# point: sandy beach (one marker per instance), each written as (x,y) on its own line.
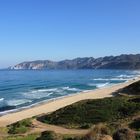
(60,103)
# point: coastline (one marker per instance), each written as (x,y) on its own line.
(55,104)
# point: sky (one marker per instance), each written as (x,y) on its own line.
(66,29)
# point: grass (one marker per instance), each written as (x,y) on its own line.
(3,130)
(29,137)
(88,112)
(20,127)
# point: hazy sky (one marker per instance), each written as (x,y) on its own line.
(60,29)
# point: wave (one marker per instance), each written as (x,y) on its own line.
(32,95)
(44,90)
(100,85)
(70,89)
(17,102)
(42,93)
(1,99)
(125,76)
(111,79)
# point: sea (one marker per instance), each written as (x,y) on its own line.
(20,89)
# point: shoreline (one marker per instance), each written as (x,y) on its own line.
(60,102)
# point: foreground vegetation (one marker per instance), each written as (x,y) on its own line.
(20,127)
(86,113)
(28,137)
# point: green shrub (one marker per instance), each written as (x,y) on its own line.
(91,112)
(137,136)
(85,126)
(135,124)
(28,137)
(48,135)
(20,127)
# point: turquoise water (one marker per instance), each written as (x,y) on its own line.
(22,89)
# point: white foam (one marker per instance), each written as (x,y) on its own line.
(125,76)
(17,102)
(99,85)
(102,85)
(110,79)
(65,88)
(1,99)
(32,95)
(70,89)
(44,90)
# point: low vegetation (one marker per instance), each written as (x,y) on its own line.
(49,135)
(20,127)
(135,124)
(86,113)
(133,89)
(28,137)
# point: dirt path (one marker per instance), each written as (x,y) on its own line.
(40,127)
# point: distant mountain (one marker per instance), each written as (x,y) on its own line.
(109,62)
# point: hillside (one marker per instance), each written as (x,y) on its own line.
(88,112)
(133,89)
(108,62)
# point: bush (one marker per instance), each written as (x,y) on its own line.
(124,134)
(135,124)
(20,127)
(91,112)
(48,135)
(85,126)
(137,136)
(98,132)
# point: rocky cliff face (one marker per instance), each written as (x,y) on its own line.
(109,62)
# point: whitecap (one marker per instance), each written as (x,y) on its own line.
(70,89)
(1,99)
(65,88)
(17,102)
(44,90)
(102,85)
(125,76)
(99,85)
(110,79)
(31,95)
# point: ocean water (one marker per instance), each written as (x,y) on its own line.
(23,89)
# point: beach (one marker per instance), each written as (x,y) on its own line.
(61,102)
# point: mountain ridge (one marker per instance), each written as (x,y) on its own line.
(124,61)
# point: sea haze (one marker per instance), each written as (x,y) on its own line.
(22,89)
